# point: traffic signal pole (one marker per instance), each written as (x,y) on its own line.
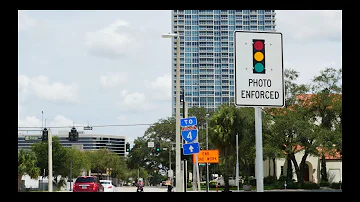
(50,161)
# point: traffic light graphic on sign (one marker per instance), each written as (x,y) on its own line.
(258,56)
(157,147)
(127,147)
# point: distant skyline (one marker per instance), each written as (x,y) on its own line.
(113,67)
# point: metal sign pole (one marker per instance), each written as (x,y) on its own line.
(197,172)
(237,162)
(259,153)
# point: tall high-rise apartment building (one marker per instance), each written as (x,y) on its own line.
(207,71)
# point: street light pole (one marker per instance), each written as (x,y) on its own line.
(179,187)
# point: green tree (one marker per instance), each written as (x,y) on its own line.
(297,125)
(221,126)
(200,114)
(292,133)
(80,162)
(59,158)
(102,161)
(119,167)
(141,156)
(27,165)
(325,106)
(292,89)
(244,126)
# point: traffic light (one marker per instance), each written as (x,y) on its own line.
(73,135)
(127,147)
(45,135)
(258,56)
(182,95)
(157,147)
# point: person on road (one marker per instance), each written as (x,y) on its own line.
(140,184)
(168,184)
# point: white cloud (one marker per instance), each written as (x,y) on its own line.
(25,21)
(114,41)
(112,80)
(29,121)
(160,88)
(135,102)
(61,120)
(40,87)
(57,121)
(310,26)
(124,92)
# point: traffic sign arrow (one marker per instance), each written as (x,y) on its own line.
(191,148)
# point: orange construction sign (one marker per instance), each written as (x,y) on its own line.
(207,156)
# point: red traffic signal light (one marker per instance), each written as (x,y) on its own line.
(258,56)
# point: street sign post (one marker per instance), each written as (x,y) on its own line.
(259,77)
(189,134)
(259,81)
(191,148)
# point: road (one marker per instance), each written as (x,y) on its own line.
(146,189)
(164,189)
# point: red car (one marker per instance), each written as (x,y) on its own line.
(87,184)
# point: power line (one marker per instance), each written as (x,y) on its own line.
(115,125)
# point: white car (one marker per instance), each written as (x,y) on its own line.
(108,186)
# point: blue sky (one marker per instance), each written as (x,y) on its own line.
(113,67)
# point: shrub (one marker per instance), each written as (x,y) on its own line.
(269,180)
(324,184)
(189,185)
(212,184)
(282,179)
(310,185)
(336,185)
(291,185)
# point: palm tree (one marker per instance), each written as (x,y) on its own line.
(27,165)
(222,136)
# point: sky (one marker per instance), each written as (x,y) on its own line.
(113,67)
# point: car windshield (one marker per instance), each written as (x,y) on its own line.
(85,179)
(105,182)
